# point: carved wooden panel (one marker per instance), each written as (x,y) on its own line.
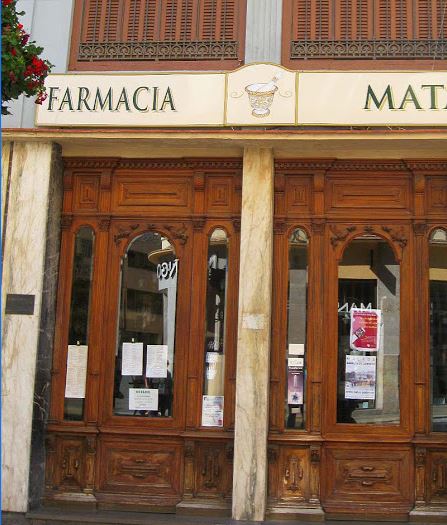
(298,190)
(211,469)
(437,484)
(140,467)
(86,193)
(294,473)
(437,195)
(69,467)
(157,193)
(219,194)
(368,474)
(367,193)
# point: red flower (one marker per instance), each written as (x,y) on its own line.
(6,2)
(20,26)
(41,97)
(25,39)
(13,52)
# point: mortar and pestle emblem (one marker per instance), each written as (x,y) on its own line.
(261,96)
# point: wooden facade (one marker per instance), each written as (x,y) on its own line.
(174,463)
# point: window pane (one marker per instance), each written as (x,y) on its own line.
(368,333)
(144,365)
(438,328)
(216,292)
(296,331)
(78,328)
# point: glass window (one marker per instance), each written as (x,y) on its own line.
(296,330)
(216,292)
(368,333)
(144,364)
(78,326)
(438,328)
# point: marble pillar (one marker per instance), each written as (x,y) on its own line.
(253,347)
(25,246)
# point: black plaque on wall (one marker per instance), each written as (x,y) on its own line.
(19,304)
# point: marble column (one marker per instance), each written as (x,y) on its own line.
(25,247)
(253,347)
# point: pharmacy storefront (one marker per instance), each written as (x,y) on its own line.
(251,312)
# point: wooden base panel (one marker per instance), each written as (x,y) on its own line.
(136,503)
(70,499)
(386,512)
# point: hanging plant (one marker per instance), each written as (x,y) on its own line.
(23,72)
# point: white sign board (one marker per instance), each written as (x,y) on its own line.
(259,95)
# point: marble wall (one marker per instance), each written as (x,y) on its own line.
(253,347)
(25,245)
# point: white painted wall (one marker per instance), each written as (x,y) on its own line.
(263,36)
(49,23)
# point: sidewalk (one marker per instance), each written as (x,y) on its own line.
(73,517)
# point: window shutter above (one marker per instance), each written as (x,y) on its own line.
(159,31)
(365,29)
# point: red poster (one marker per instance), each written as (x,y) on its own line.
(365,330)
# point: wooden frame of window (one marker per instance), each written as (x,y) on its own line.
(127,459)
(337,466)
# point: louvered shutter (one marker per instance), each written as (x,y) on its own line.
(160,30)
(377,28)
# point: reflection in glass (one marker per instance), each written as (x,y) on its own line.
(80,308)
(144,365)
(216,292)
(368,333)
(438,328)
(296,330)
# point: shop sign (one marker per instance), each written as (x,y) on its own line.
(259,95)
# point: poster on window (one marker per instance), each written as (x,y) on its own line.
(212,411)
(360,375)
(76,371)
(295,385)
(365,330)
(132,359)
(157,361)
(143,399)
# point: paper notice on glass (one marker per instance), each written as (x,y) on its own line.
(295,386)
(143,399)
(296,349)
(132,359)
(212,357)
(365,330)
(295,362)
(360,377)
(212,411)
(157,361)
(76,371)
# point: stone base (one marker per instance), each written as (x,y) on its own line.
(429,514)
(295,513)
(204,507)
(14,518)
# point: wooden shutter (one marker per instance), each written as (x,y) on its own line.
(159,30)
(366,28)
